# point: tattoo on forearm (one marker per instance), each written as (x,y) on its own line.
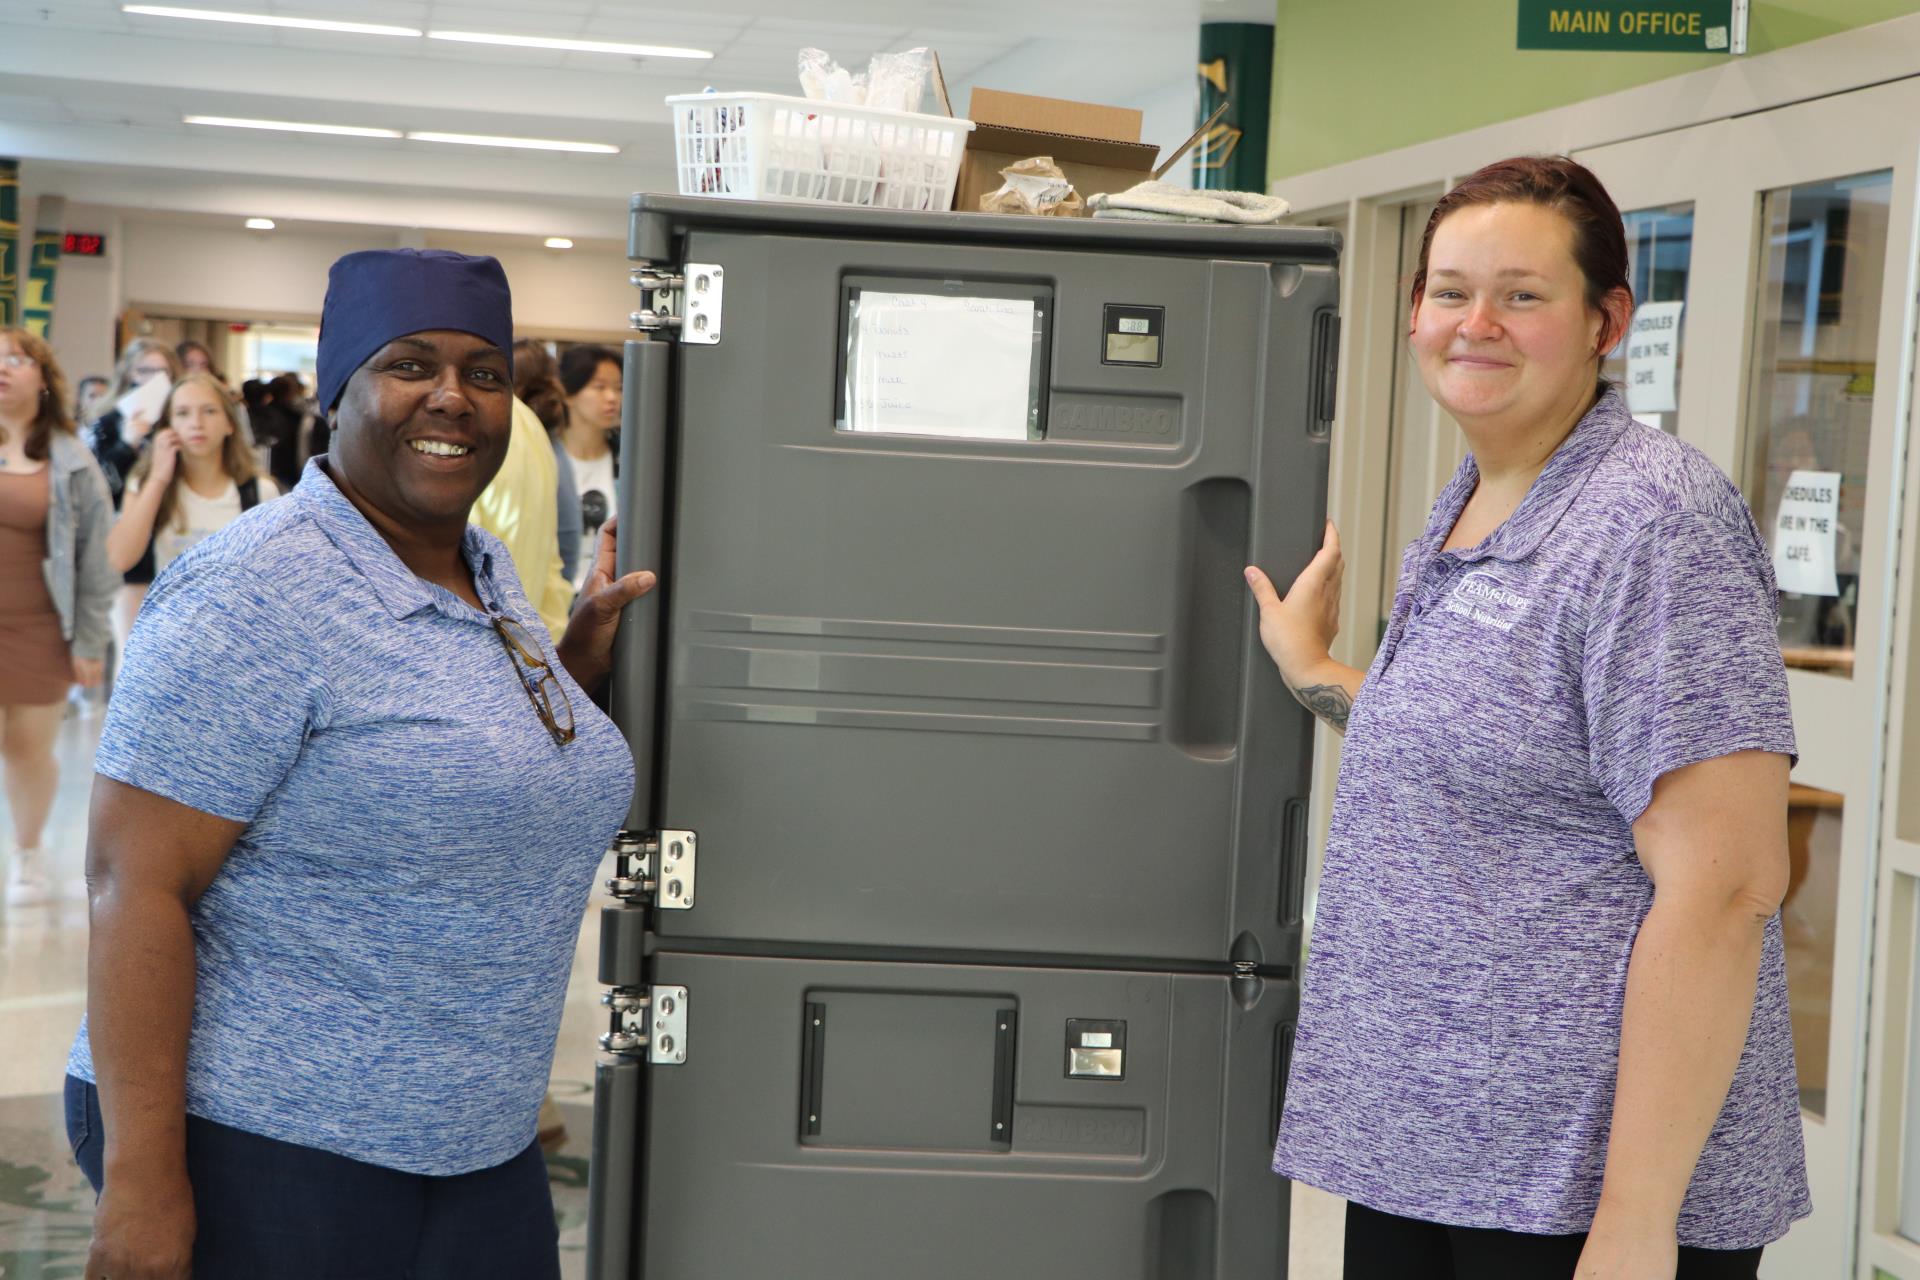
(1331,702)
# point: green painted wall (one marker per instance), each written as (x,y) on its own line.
(1354,78)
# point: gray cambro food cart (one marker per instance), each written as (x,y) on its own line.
(959,905)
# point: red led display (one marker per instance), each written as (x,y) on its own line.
(81,244)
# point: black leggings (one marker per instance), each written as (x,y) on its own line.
(1381,1246)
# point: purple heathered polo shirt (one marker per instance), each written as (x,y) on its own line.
(1460,1024)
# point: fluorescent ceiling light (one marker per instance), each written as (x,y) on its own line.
(530,144)
(259,224)
(268,20)
(571,46)
(559,242)
(291,126)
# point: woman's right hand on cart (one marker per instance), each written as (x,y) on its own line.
(1298,630)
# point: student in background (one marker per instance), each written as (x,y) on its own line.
(196,358)
(197,478)
(591,377)
(116,445)
(116,442)
(56,589)
(282,424)
(536,381)
(517,507)
(85,392)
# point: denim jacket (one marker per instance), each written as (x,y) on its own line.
(79,516)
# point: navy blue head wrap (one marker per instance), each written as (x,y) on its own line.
(377,295)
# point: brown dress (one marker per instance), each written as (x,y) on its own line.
(35,666)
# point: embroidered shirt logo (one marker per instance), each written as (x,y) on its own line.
(1482,598)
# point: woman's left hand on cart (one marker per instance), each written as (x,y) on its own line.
(586,650)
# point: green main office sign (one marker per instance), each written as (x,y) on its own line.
(1647,26)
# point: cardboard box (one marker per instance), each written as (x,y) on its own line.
(1098,148)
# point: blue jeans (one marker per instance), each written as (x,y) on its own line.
(271,1208)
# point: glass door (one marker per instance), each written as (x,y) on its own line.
(1676,359)
(1789,318)
(1647,363)
(1810,396)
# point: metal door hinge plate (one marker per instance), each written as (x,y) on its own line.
(650,1020)
(677,865)
(702,293)
(654,867)
(668,1043)
(684,303)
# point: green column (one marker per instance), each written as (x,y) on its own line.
(36,302)
(1236,65)
(9,242)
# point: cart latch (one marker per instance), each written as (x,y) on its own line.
(654,868)
(681,303)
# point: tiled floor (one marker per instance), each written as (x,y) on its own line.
(46,1206)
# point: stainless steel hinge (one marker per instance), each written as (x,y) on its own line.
(682,303)
(655,868)
(649,1020)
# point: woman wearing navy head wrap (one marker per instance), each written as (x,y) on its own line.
(349,807)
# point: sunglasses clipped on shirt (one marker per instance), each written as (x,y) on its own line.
(544,690)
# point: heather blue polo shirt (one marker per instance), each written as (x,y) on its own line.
(383,957)
(1460,1024)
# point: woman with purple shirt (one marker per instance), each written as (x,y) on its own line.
(1544,1031)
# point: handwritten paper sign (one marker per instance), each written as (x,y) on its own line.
(935,365)
(1653,353)
(1804,533)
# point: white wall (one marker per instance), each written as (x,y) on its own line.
(237,273)
(579,292)
(83,316)
(172,267)
(244,274)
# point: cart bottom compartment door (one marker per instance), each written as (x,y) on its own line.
(853,1120)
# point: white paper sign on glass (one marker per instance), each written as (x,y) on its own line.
(934,365)
(1804,533)
(1653,354)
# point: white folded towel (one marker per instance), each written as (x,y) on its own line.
(1164,202)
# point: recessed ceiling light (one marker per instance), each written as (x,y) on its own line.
(291,126)
(570,46)
(529,144)
(559,242)
(259,224)
(268,20)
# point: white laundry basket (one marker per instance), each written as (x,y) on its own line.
(765,146)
